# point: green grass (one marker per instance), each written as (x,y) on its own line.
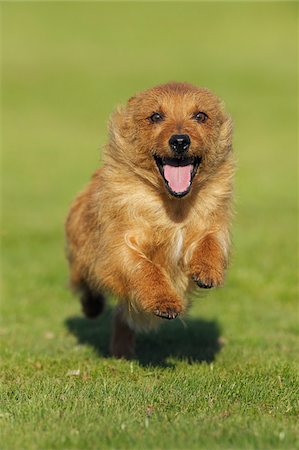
(228,378)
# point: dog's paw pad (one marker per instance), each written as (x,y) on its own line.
(168,313)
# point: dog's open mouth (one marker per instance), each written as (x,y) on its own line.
(178,173)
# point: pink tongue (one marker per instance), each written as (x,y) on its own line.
(178,177)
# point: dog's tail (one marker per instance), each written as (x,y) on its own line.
(92,301)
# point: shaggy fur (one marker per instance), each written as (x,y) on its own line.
(127,233)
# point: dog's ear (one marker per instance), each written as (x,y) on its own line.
(225,135)
(131,99)
(116,126)
(120,127)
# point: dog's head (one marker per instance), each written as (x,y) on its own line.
(174,135)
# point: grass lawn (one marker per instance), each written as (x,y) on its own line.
(226,377)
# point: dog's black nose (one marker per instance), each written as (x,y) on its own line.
(179,143)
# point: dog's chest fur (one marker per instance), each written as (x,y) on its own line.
(161,236)
(176,249)
(166,248)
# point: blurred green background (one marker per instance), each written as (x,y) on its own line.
(65,66)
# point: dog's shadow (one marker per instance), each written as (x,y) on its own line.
(195,340)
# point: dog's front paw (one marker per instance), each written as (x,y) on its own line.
(208,277)
(167,309)
(167,313)
(201,284)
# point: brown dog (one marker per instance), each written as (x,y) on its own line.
(154,220)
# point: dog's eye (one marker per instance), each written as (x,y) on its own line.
(156,117)
(200,117)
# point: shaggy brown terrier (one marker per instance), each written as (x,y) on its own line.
(154,220)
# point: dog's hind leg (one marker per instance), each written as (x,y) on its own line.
(92,301)
(122,343)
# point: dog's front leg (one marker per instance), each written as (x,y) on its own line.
(151,289)
(148,290)
(209,261)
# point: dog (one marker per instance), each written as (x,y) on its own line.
(154,221)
